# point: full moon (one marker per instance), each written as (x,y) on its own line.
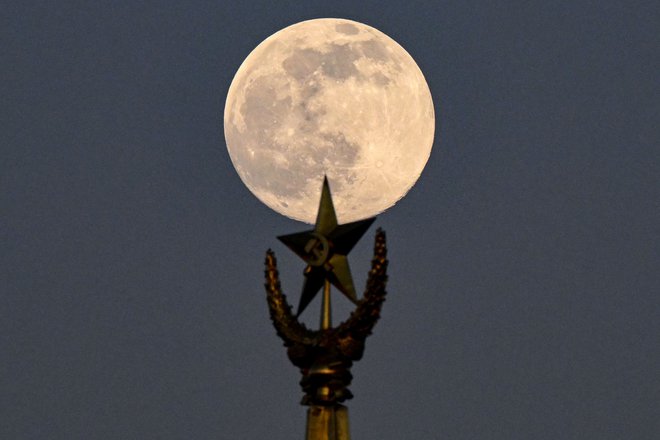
(329,97)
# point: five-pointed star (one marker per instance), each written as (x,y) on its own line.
(325,250)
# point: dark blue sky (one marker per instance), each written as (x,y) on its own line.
(524,294)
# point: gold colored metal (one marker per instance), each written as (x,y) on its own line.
(327,423)
(325,356)
(326,311)
(325,250)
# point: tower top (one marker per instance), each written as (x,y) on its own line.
(325,356)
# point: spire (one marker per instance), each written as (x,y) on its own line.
(327,423)
(325,356)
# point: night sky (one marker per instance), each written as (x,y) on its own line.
(524,293)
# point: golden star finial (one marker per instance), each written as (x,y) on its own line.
(325,250)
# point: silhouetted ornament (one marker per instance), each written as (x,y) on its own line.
(325,250)
(325,356)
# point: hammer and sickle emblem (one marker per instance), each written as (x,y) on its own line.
(317,249)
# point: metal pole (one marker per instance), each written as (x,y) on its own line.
(326,310)
(327,423)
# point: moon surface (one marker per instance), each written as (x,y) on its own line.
(329,97)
